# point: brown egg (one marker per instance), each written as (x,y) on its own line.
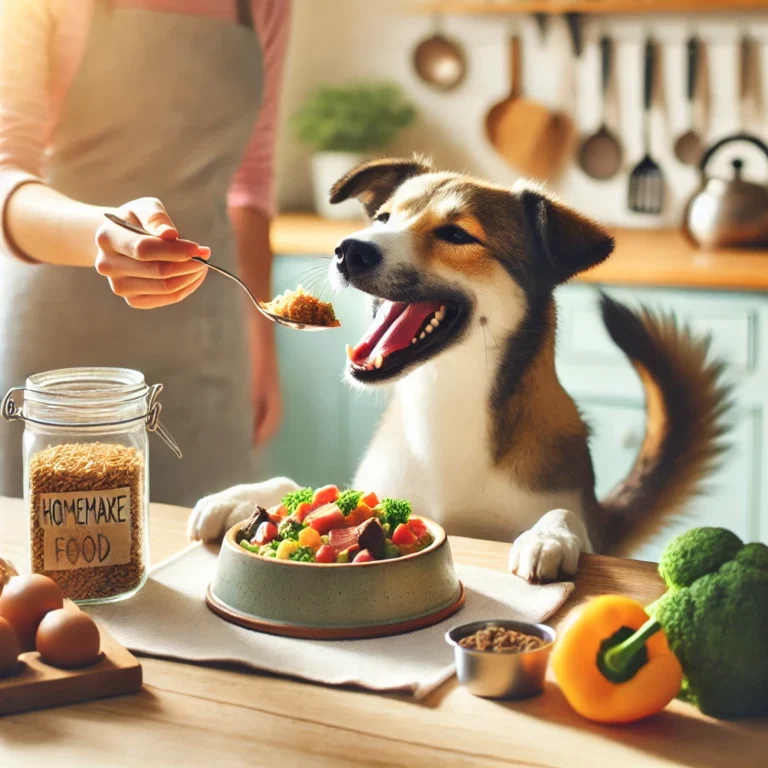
(24,602)
(68,639)
(9,649)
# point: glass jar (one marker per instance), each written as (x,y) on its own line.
(86,477)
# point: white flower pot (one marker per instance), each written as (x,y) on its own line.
(327,169)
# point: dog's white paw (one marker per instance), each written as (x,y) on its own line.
(214,515)
(550,550)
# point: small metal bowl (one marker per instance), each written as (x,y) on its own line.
(502,674)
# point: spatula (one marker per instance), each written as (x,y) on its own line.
(646,182)
(524,132)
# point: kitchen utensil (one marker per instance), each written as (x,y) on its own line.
(542,22)
(348,601)
(600,154)
(688,147)
(39,686)
(728,213)
(646,182)
(269,315)
(573,20)
(525,133)
(440,61)
(502,674)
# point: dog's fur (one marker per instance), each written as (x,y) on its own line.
(479,433)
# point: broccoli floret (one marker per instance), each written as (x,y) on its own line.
(290,529)
(394,512)
(715,617)
(348,501)
(294,498)
(303,555)
(268,550)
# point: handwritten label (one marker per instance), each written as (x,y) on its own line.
(85,529)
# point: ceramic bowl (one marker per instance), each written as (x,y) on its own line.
(336,600)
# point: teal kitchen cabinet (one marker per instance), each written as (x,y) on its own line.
(327,425)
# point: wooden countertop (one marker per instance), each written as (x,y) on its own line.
(660,258)
(200,715)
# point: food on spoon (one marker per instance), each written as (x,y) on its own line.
(330,526)
(9,649)
(68,639)
(302,307)
(500,639)
(25,601)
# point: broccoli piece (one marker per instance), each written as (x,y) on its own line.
(394,512)
(292,500)
(290,529)
(303,555)
(348,501)
(268,550)
(715,617)
(391,550)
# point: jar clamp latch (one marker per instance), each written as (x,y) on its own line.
(12,412)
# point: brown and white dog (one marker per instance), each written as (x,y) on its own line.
(479,433)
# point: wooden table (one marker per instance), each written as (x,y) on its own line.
(191,715)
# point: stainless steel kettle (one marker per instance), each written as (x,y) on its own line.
(728,213)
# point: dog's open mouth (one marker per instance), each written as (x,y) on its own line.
(402,334)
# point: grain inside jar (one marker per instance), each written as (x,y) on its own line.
(87,516)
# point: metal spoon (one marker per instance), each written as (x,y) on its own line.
(256,303)
(600,154)
(689,147)
(439,61)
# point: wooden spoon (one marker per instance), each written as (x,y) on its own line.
(525,133)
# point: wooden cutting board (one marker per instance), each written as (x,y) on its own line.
(39,686)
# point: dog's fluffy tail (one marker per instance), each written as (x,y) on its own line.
(685,406)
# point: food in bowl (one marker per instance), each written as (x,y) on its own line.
(302,307)
(329,526)
(501,639)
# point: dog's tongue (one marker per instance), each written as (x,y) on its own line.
(392,330)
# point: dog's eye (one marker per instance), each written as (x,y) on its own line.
(455,234)
(382,218)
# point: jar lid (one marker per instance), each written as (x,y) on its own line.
(94,388)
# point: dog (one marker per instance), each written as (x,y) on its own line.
(479,433)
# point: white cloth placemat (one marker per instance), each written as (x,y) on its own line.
(169,618)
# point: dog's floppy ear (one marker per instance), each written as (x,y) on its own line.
(374,182)
(568,242)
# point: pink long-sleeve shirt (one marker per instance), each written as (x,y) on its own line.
(41,46)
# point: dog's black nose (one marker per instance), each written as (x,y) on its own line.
(356,256)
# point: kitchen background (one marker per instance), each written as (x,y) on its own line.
(327,427)
(335,41)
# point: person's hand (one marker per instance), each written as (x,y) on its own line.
(265,387)
(148,272)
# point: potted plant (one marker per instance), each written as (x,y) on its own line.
(343,124)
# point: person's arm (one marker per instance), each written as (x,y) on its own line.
(251,207)
(40,225)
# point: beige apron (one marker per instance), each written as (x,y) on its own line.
(163,105)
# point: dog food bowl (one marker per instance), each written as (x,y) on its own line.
(502,674)
(336,601)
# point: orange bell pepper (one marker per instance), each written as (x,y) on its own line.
(613,663)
